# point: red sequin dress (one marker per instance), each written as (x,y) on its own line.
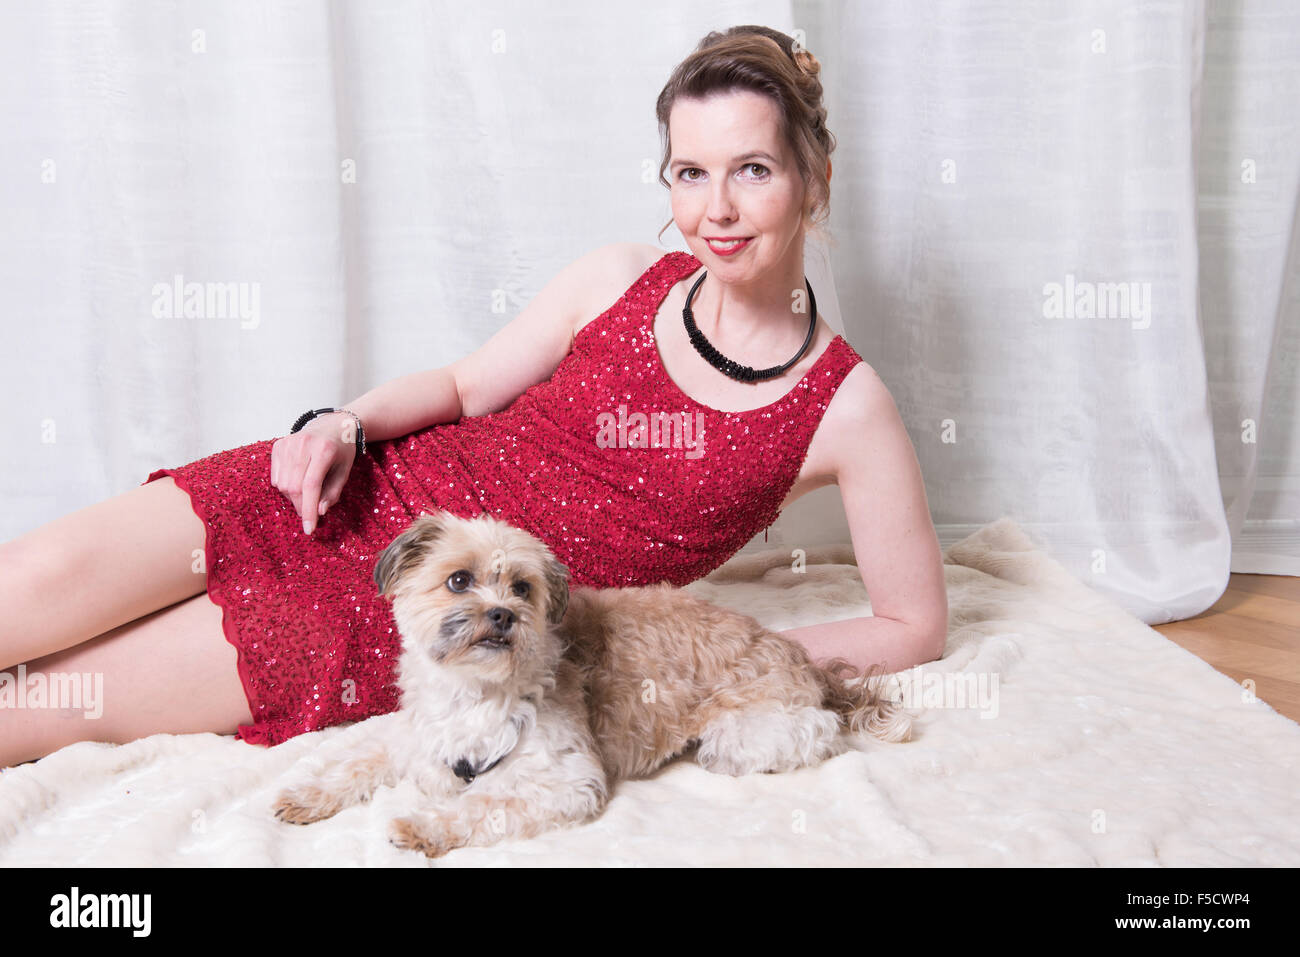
(621,500)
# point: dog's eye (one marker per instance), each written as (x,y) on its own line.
(520,589)
(459,580)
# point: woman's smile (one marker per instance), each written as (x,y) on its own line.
(728,247)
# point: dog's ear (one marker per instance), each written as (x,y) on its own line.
(407,550)
(557,590)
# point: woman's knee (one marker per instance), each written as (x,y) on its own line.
(26,568)
(169,672)
(38,716)
(94,569)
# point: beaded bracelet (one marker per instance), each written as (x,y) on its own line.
(312,413)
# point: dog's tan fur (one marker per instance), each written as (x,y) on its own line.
(572,689)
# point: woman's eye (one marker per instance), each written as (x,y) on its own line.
(520,589)
(762,172)
(459,581)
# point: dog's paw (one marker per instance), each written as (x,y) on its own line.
(421,834)
(303,805)
(768,741)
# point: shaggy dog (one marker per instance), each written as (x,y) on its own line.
(524,702)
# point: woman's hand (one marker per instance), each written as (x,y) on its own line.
(311,466)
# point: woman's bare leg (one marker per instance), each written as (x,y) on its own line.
(170,671)
(99,567)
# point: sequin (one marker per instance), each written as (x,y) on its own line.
(317,646)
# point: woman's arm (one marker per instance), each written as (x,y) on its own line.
(311,467)
(894,540)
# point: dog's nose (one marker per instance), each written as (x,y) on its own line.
(501,618)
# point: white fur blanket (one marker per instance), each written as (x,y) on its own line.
(1056,730)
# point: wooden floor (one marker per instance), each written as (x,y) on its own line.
(1252,632)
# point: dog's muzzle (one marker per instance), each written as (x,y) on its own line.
(503,619)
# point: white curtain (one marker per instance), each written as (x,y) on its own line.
(388,182)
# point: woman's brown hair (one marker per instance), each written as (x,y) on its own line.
(769,62)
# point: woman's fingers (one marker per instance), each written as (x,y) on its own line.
(310,470)
(334,483)
(286,462)
(312,481)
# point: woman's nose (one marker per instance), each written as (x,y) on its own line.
(720,205)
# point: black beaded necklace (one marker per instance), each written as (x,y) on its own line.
(730,367)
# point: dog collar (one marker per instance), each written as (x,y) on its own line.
(467,772)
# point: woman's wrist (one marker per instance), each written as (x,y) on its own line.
(408,404)
(344,424)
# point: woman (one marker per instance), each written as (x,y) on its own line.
(207,608)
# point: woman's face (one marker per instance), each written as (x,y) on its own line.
(720,188)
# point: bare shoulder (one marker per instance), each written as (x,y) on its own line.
(861,399)
(606,273)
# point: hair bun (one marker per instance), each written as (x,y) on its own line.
(804,60)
